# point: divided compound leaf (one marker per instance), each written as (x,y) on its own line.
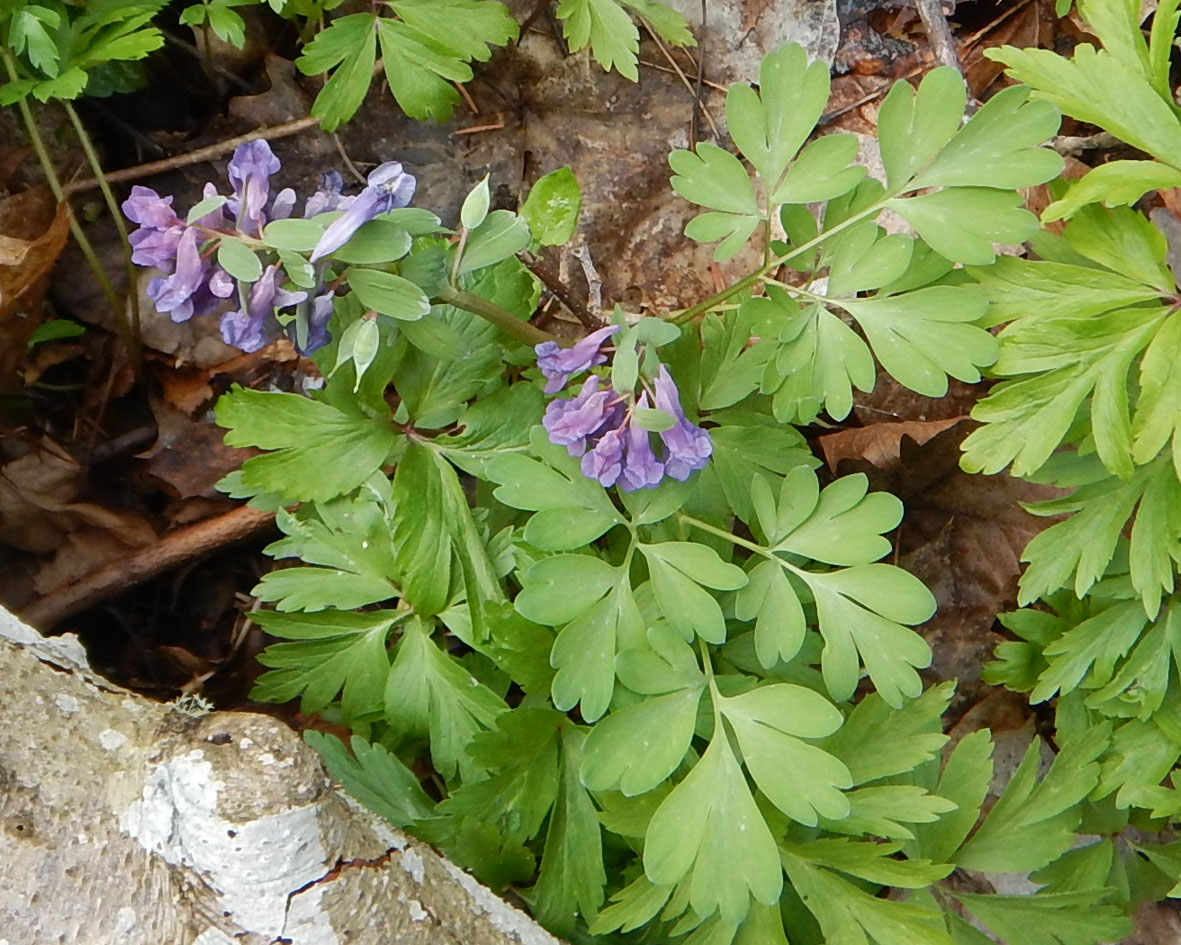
(429,693)
(680,572)
(331,651)
(318,452)
(375,777)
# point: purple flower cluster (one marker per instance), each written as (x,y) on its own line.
(599,425)
(194,284)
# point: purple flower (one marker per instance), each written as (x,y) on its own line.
(605,461)
(148,208)
(570,421)
(256,326)
(558,363)
(689,447)
(173,294)
(389,188)
(642,470)
(250,171)
(318,318)
(327,196)
(157,248)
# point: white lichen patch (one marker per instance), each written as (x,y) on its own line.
(125,920)
(308,922)
(67,705)
(412,863)
(250,868)
(112,739)
(415,910)
(503,917)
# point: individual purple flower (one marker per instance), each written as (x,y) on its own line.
(256,326)
(250,171)
(318,318)
(558,363)
(605,461)
(689,447)
(327,196)
(173,294)
(571,420)
(389,188)
(641,469)
(148,208)
(156,248)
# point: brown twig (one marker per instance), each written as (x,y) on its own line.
(943,44)
(208,153)
(175,549)
(694,90)
(474,129)
(552,281)
(716,86)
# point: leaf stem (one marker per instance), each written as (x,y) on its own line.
(722,533)
(113,208)
(695,311)
(76,231)
(503,319)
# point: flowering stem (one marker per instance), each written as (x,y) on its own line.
(117,216)
(76,231)
(489,311)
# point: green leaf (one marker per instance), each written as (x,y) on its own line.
(1068,359)
(605,26)
(866,258)
(709,832)
(848,915)
(374,776)
(746,445)
(501,235)
(572,509)
(823,170)
(435,537)
(572,876)
(962,223)
(1035,819)
(1092,649)
(1158,409)
(915,125)
(348,46)
(420,71)
(1067,918)
(522,750)
(964,782)
(770,600)
(552,207)
(878,741)
(770,126)
(388,294)
(678,571)
(1123,241)
(474,209)
(819,362)
(466,28)
(54,330)
(1000,146)
(873,862)
(381,240)
(622,753)
(802,780)
(731,367)
(922,337)
(238,260)
(318,451)
(428,692)
(298,236)
(349,539)
(1097,88)
(1084,544)
(713,178)
(1114,183)
(882,811)
(337,652)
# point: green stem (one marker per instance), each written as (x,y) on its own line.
(723,534)
(489,311)
(695,311)
(75,228)
(136,347)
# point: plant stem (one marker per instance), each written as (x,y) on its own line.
(76,231)
(680,318)
(504,320)
(722,533)
(135,348)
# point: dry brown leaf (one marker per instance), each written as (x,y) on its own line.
(190,455)
(962,535)
(33,219)
(881,443)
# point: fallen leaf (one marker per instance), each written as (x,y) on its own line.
(962,536)
(190,455)
(881,443)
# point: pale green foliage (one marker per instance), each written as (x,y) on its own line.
(955,186)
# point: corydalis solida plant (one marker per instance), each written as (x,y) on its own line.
(225,233)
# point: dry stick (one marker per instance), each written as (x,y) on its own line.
(552,281)
(178,548)
(208,153)
(695,92)
(943,44)
(717,86)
